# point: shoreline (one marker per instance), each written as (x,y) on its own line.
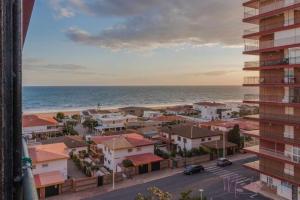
(152,106)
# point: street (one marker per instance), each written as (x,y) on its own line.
(211,181)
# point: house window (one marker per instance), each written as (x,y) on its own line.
(129,150)
(209,138)
(138,149)
(184,140)
(178,138)
(289,169)
(44,165)
(108,161)
(203,139)
(105,158)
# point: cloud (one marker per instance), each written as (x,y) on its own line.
(213,73)
(61,8)
(35,64)
(157,23)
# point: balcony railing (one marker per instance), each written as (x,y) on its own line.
(270,7)
(259,45)
(272,98)
(265,134)
(29,189)
(272,171)
(269,80)
(280,117)
(271,153)
(272,62)
(271,26)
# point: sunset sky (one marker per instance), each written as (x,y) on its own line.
(134,42)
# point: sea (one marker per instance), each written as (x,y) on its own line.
(73,98)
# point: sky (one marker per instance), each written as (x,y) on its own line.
(134,42)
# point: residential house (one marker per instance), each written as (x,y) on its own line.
(74,144)
(181,110)
(132,147)
(137,111)
(214,111)
(170,120)
(149,114)
(49,167)
(188,136)
(40,126)
(112,121)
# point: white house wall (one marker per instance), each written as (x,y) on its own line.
(56,165)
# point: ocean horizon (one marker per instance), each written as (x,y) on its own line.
(71,98)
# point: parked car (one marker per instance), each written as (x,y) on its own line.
(223,162)
(193,169)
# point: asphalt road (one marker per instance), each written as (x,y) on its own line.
(211,181)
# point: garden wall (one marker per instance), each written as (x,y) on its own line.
(195,160)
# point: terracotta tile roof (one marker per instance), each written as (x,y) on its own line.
(48,179)
(48,152)
(244,124)
(142,159)
(130,140)
(190,131)
(169,118)
(38,120)
(118,143)
(69,141)
(212,104)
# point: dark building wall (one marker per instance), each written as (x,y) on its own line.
(10,99)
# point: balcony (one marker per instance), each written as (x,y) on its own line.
(271,153)
(273,172)
(280,118)
(278,5)
(257,46)
(278,137)
(271,27)
(272,63)
(270,80)
(255,98)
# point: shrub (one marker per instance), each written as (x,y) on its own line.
(127,163)
(161,153)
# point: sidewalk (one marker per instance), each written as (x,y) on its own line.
(136,180)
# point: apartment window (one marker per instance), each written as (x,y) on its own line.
(296,154)
(289,110)
(178,138)
(289,169)
(44,165)
(129,150)
(289,132)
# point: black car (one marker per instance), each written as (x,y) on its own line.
(193,169)
(223,162)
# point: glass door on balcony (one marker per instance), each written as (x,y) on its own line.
(294,56)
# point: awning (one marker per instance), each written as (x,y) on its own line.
(48,179)
(142,159)
(27,10)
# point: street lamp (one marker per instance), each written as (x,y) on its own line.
(113,159)
(201,193)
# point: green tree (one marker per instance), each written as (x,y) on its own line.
(90,123)
(234,135)
(154,193)
(76,117)
(60,116)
